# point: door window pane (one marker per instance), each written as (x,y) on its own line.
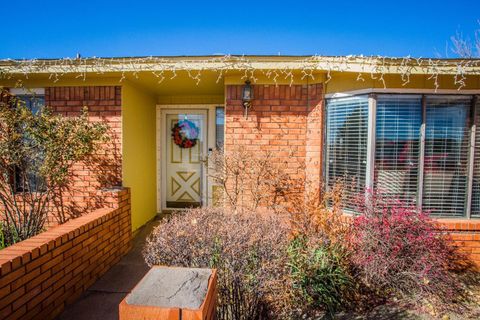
(219,127)
(446,155)
(399,118)
(347,130)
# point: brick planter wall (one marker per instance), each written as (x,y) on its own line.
(39,276)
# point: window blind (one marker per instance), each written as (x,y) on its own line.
(397,149)
(475,211)
(446,155)
(347,130)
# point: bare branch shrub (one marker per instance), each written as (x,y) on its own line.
(275,246)
(247,248)
(320,272)
(398,251)
(250,180)
(465,47)
(320,213)
(304,257)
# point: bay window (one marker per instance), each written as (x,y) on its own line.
(421,149)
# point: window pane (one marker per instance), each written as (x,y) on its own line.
(219,127)
(347,129)
(399,119)
(475,212)
(27,179)
(32,102)
(446,155)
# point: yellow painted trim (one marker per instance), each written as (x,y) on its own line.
(345,82)
(42,81)
(239,78)
(353,64)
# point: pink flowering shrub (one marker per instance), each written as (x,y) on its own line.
(398,251)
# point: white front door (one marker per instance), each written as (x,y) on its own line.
(184,144)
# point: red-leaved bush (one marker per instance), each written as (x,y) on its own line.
(398,251)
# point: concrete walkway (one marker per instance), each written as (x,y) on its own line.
(101,300)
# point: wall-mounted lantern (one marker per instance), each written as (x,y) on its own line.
(247,96)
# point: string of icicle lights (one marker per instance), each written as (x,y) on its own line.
(273,68)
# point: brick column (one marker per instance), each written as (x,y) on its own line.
(314,139)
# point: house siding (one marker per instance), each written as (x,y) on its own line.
(139,152)
(286,120)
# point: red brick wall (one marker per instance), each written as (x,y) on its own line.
(40,275)
(104,171)
(466,236)
(284,120)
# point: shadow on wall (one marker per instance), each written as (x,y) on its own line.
(97,173)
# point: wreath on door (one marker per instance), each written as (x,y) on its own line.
(185,134)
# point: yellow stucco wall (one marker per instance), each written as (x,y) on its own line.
(190,99)
(139,158)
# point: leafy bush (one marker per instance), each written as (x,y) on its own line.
(37,149)
(319,275)
(398,251)
(318,254)
(248,249)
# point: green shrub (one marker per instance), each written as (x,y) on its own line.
(37,150)
(318,274)
(2,236)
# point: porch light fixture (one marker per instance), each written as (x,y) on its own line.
(247,96)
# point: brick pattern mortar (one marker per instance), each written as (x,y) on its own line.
(40,275)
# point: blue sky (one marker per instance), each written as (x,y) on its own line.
(55,29)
